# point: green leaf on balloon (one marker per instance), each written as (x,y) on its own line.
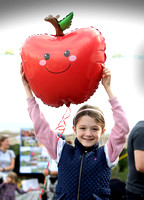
(66,22)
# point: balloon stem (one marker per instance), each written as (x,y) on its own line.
(54,22)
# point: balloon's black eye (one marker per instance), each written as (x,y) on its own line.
(47,56)
(66,53)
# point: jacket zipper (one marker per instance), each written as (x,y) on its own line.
(80,175)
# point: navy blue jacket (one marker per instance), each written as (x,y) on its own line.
(83,173)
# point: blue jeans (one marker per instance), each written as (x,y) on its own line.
(132,196)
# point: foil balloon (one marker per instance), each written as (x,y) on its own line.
(64,68)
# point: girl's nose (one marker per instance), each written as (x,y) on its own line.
(88,133)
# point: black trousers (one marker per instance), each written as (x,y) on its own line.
(132,196)
(1,180)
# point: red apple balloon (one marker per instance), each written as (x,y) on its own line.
(64,69)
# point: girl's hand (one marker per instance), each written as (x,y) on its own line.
(25,83)
(106,81)
(106,77)
(46,172)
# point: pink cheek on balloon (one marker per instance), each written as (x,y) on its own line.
(72,58)
(42,62)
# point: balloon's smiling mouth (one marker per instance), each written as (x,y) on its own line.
(59,71)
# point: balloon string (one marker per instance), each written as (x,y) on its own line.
(61,127)
(45,181)
(62,124)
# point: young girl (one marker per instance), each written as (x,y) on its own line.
(9,186)
(83,170)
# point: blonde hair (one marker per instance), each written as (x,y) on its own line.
(13,177)
(91,111)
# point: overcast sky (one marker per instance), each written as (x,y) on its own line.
(120,21)
(22,15)
(23,18)
(18,11)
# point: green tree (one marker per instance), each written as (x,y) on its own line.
(15,148)
(123,163)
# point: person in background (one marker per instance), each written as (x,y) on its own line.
(9,186)
(52,176)
(135,151)
(117,189)
(7,157)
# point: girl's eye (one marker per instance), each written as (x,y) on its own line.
(94,129)
(67,53)
(82,128)
(47,56)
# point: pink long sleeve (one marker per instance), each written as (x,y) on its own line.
(119,132)
(42,128)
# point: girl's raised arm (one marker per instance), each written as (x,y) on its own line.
(42,128)
(120,129)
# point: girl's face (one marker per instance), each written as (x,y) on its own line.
(8,179)
(88,131)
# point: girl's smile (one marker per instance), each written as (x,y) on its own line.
(88,131)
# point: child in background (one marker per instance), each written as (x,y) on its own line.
(83,170)
(9,186)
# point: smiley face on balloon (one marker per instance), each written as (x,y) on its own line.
(64,69)
(47,61)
